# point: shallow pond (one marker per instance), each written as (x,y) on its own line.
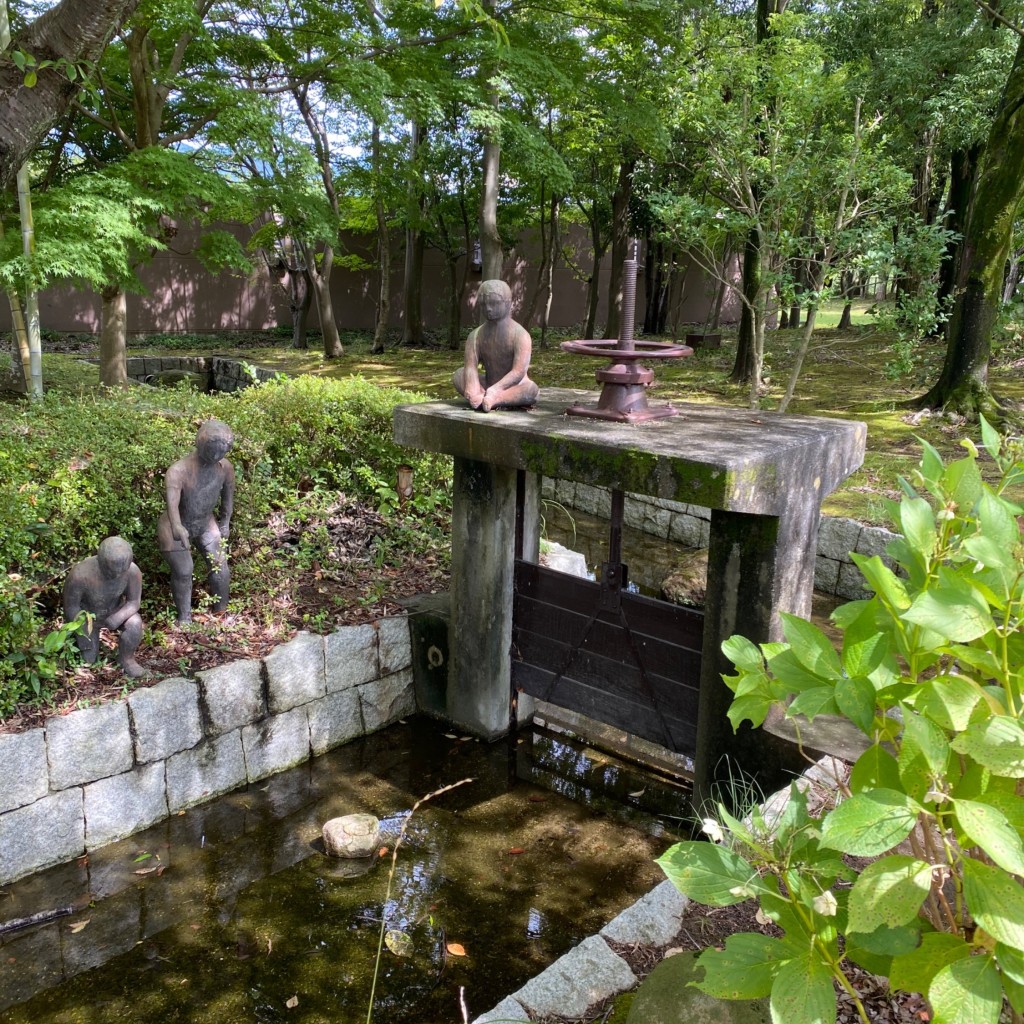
(230,912)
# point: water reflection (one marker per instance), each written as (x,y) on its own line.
(230,911)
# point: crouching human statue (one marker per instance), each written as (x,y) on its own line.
(503,347)
(108,587)
(200,492)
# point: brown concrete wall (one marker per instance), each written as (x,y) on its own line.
(182,297)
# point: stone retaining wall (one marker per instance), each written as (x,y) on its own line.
(689,525)
(100,774)
(219,373)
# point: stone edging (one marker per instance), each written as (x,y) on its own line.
(689,525)
(592,972)
(220,373)
(100,774)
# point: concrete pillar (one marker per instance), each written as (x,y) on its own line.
(483,550)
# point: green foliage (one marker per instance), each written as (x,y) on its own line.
(73,471)
(931,671)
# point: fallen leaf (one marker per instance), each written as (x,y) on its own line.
(78,926)
(456,949)
(639,792)
(383,851)
(147,871)
(292,1003)
(536,798)
(398,942)
(466,739)
(450,736)
(516,850)
(141,857)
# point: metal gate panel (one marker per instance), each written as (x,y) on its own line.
(624,659)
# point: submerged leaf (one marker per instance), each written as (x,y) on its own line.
(398,942)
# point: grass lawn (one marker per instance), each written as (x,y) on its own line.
(843,375)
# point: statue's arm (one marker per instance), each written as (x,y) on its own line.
(227,500)
(72,596)
(471,364)
(132,599)
(173,484)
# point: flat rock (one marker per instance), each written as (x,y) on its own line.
(665,998)
(23,768)
(654,920)
(507,1010)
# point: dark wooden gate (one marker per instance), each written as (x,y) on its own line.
(593,647)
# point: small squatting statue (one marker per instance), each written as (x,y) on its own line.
(107,586)
(196,485)
(503,347)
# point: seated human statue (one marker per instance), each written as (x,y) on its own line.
(200,491)
(107,586)
(502,347)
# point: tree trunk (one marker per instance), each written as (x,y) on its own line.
(301,300)
(383,251)
(549,276)
(1013,276)
(113,337)
(963,383)
(21,347)
(412,321)
(620,244)
(320,279)
(74,30)
(963,178)
(747,366)
(598,247)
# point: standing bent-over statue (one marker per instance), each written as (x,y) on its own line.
(196,485)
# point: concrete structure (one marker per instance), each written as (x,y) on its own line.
(763,476)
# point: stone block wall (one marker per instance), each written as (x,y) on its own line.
(100,774)
(690,526)
(218,372)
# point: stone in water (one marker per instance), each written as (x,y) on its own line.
(353,835)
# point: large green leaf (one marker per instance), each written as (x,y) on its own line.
(710,874)
(743,653)
(956,611)
(914,971)
(997,743)
(962,481)
(967,991)
(948,701)
(744,969)
(876,768)
(924,754)
(987,827)
(803,993)
(855,698)
(886,941)
(883,581)
(811,646)
(821,700)
(862,657)
(996,901)
(918,522)
(889,892)
(870,823)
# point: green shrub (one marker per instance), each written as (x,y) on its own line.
(74,470)
(931,671)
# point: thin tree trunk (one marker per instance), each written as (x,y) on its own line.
(528,313)
(113,337)
(383,251)
(20,331)
(412,326)
(549,277)
(747,367)
(320,279)
(301,300)
(1013,276)
(620,244)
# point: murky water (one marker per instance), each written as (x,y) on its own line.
(231,913)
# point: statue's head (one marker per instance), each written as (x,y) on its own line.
(214,440)
(114,557)
(495,297)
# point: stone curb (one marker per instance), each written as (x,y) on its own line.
(100,774)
